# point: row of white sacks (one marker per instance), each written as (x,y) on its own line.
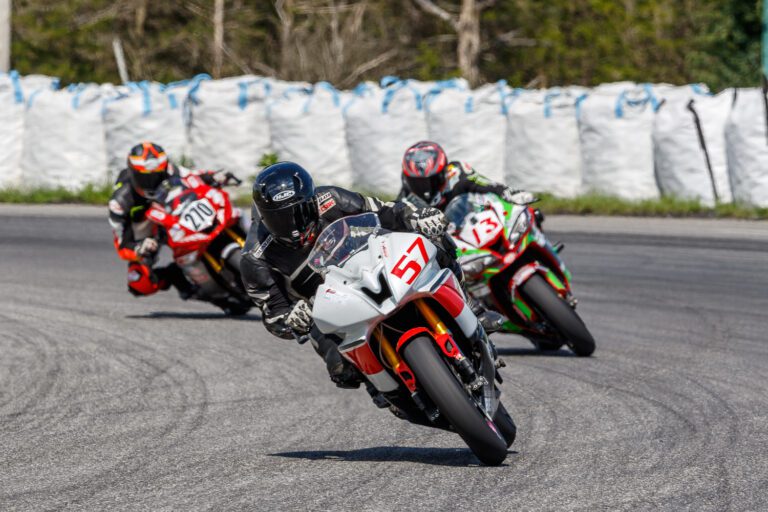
(634,141)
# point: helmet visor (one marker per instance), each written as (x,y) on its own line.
(426,188)
(147,184)
(291,224)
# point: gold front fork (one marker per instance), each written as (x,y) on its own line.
(390,354)
(437,325)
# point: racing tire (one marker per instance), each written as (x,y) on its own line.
(506,424)
(433,375)
(233,262)
(562,317)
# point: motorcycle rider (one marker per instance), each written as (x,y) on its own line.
(428,175)
(135,237)
(274,267)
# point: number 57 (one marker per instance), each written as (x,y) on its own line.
(402,266)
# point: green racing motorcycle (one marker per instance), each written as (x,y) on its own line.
(512,268)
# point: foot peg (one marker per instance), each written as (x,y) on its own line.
(558,247)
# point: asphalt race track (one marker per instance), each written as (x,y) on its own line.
(112,402)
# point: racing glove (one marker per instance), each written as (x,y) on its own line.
(300,318)
(215,178)
(147,247)
(430,222)
(519,197)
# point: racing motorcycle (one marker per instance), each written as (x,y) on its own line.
(513,269)
(203,230)
(403,322)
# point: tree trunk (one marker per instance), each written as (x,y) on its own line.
(468,50)
(284,10)
(218,37)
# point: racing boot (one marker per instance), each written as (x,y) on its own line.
(341,371)
(489,319)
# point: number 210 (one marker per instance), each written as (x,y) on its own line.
(402,266)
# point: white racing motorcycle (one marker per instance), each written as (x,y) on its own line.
(404,324)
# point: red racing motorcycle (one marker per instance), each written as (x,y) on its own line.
(203,230)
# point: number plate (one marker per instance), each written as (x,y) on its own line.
(198,215)
(483,231)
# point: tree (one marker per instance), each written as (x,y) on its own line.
(467,28)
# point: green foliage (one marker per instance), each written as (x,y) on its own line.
(90,194)
(268,159)
(543,43)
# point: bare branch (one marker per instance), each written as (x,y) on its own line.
(367,66)
(484,4)
(434,9)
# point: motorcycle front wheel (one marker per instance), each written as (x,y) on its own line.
(443,387)
(562,317)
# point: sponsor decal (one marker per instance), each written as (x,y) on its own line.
(326,204)
(133,276)
(115,207)
(285,194)
(323,197)
(260,249)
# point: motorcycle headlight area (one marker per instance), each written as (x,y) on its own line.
(521,225)
(475,264)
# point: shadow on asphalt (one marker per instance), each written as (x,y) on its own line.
(533,352)
(164,315)
(457,457)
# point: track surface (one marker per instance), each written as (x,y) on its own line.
(111,402)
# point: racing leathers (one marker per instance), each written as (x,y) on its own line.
(136,238)
(278,277)
(460,179)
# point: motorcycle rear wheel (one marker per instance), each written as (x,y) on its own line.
(559,315)
(443,387)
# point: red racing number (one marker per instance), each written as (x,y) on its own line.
(490,226)
(402,266)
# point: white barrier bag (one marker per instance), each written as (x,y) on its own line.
(11,129)
(616,144)
(689,145)
(64,143)
(146,112)
(747,145)
(308,128)
(380,125)
(470,126)
(228,126)
(542,144)
(31,83)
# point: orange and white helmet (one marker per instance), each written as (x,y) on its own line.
(148,168)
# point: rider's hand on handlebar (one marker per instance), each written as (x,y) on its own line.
(430,222)
(300,318)
(147,247)
(519,197)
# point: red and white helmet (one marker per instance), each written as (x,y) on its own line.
(424,166)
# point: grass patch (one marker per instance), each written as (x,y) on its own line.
(590,204)
(595,204)
(91,194)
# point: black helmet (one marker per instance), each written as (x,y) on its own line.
(424,166)
(284,195)
(148,168)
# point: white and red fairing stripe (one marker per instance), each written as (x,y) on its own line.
(366,361)
(449,295)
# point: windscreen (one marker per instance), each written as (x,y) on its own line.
(343,239)
(463,204)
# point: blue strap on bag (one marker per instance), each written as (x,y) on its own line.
(326,87)
(242,98)
(394,89)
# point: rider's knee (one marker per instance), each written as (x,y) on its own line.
(141,282)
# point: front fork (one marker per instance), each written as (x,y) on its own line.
(442,337)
